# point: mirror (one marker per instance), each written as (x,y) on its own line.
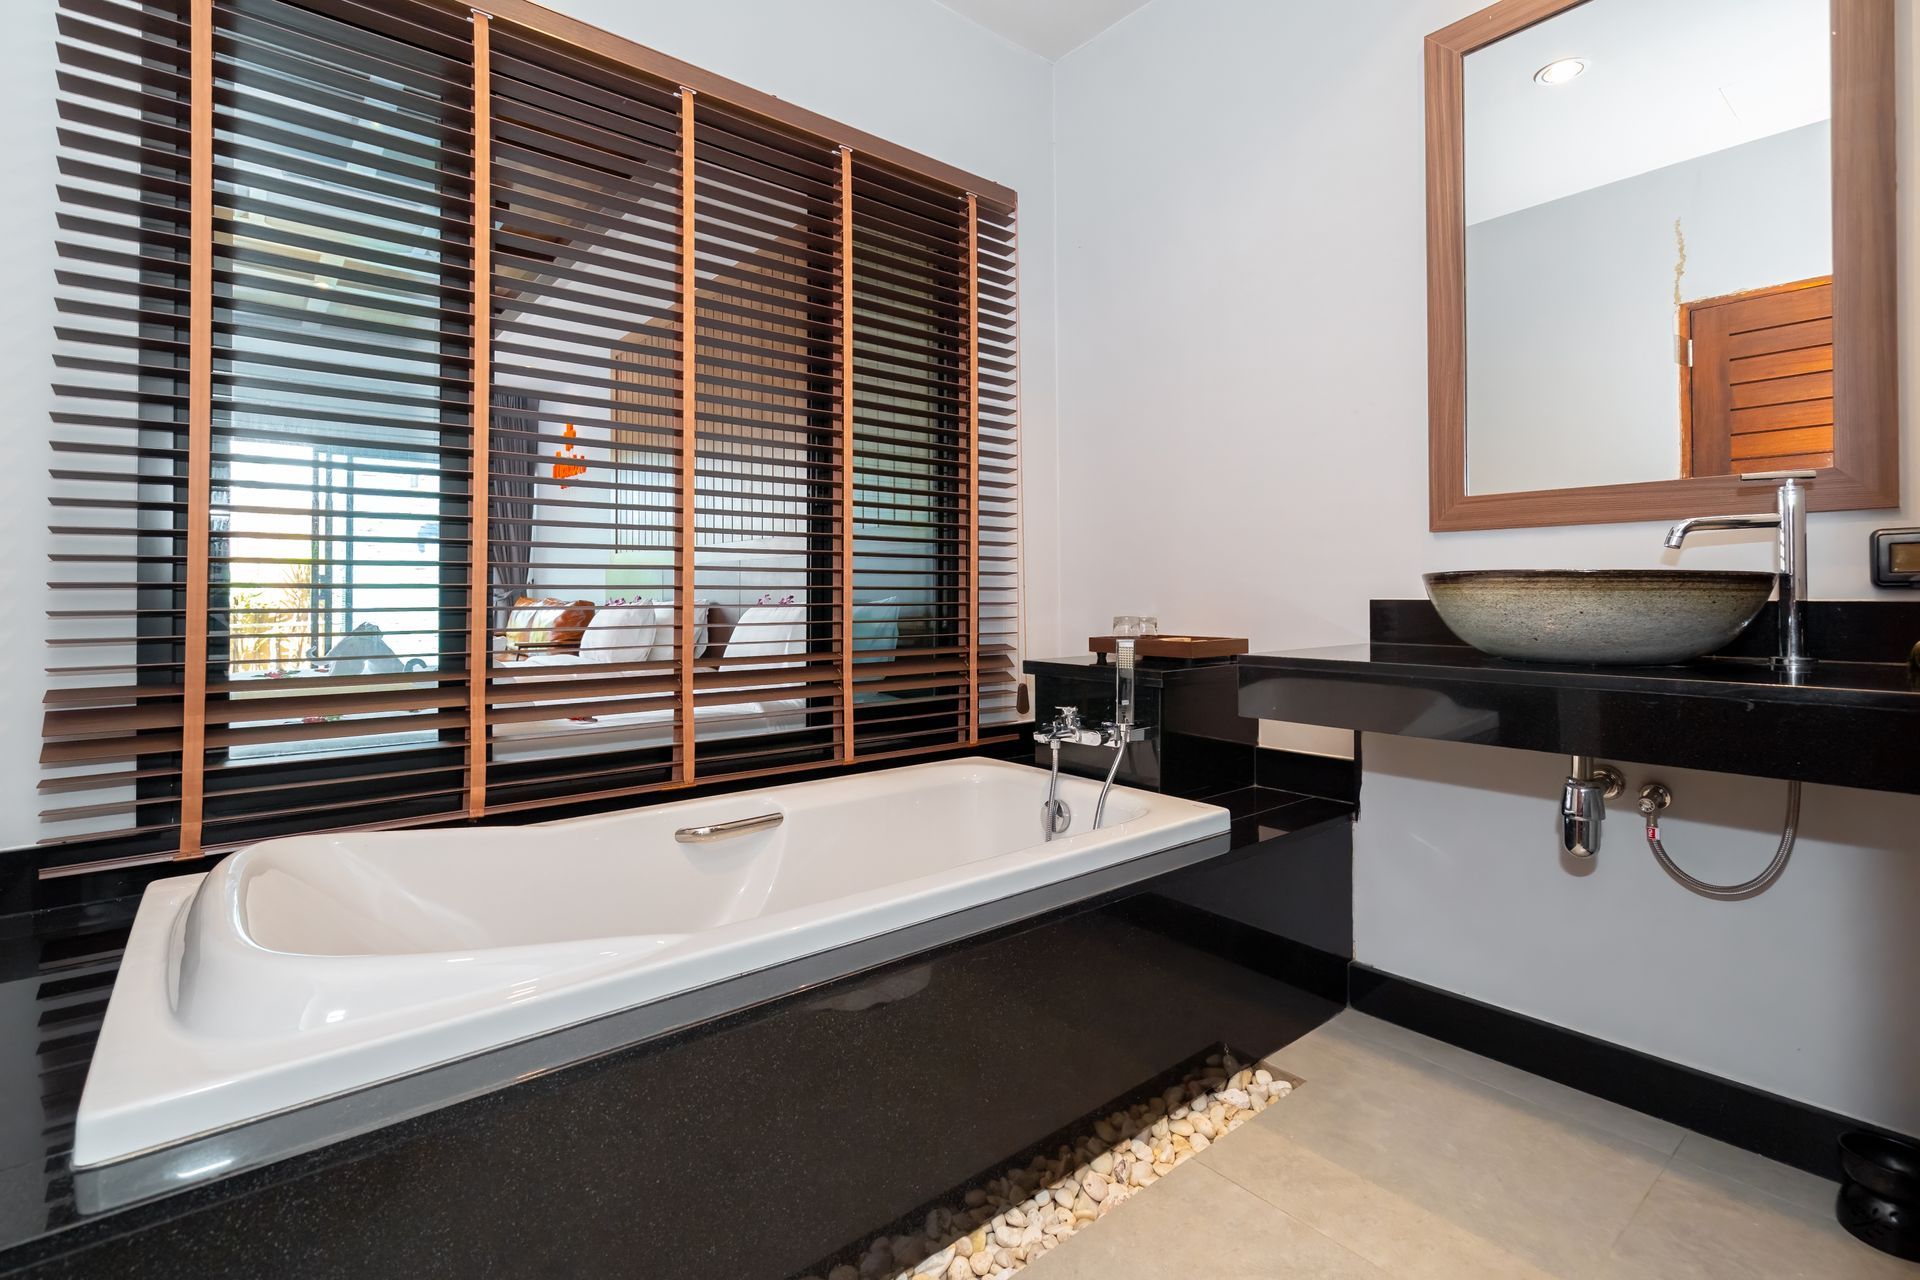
(1636,289)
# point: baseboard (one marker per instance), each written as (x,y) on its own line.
(1767,1124)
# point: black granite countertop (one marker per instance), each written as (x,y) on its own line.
(1892,686)
(546,1176)
(1148,672)
(1849,721)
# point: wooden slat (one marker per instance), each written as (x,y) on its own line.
(1781,444)
(480,558)
(846,454)
(1793,304)
(193,735)
(1781,364)
(1774,417)
(973,469)
(1786,337)
(1752,393)
(689,428)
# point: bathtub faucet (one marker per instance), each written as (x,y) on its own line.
(1055,815)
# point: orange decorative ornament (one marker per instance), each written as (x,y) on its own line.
(568,460)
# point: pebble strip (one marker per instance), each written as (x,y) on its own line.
(1017,1217)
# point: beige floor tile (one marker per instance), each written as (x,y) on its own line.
(1197,1224)
(1700,1225)
(1383,1227)
(1772,1177)
(1633,1125)
(1492,1172)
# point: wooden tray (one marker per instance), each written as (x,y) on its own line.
(1176,646)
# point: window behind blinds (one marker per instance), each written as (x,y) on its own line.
(341,363)
(671,440)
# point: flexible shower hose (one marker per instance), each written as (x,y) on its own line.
(1119,749)
(1724,892)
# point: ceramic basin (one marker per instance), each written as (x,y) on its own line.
(1632,617)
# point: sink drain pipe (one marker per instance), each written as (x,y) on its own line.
(1583,805)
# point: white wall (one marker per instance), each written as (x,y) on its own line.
(910,71)
(1575,346)
(1242,323)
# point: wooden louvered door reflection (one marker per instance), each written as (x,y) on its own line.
(460,413)
(1758,395)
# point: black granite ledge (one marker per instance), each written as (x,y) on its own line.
(1844,723)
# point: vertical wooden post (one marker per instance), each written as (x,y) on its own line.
(973,469)
(193,693)
(683,591)
(480,551)
(846,454)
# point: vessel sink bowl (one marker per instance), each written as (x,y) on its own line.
(1623,617)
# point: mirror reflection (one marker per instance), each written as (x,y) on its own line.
(1649,245)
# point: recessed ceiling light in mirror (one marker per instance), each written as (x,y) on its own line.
(1560,71)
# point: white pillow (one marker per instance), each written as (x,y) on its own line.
(623,632)
(663,645)
(768,631)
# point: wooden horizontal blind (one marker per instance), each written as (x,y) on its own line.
(996,379)
(914,482)
(342,370)
(586,358)
(767,347)
(387,327)
(116,609)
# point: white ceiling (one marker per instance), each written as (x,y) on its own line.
(1668,80)
(1048,27)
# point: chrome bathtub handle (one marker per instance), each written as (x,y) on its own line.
(725,830)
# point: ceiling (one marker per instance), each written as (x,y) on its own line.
(1666,82)
(1050,28)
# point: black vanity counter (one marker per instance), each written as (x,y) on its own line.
(748,1147)
(1851,721)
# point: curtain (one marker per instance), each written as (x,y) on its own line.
(515,453)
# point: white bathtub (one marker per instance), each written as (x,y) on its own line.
(305,968)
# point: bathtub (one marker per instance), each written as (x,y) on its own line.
(310,967)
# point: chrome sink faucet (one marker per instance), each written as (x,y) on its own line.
(1790,556)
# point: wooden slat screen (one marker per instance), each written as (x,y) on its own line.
(997,384)
(342,390)
(111,760)
(586,221)
(502,337)
(913,469)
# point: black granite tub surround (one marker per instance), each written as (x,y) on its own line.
(746,1145)
(1198,744)
(1849,722)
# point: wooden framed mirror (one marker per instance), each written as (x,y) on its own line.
(1660,253)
